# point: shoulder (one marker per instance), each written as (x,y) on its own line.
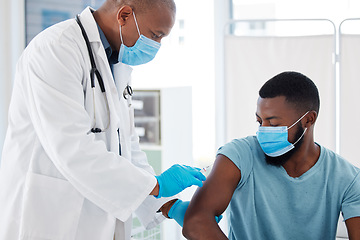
(61,38)
(341,172)
(344,178)
(241,152)
(61,43)
(56,56)
(240,146)
(337,163)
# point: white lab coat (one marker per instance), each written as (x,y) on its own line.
(57,179)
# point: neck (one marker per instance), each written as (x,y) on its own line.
(105,18)
(304,159)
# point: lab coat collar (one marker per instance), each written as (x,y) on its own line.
(91,28)
(88,21)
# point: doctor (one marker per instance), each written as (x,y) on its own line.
(71,166)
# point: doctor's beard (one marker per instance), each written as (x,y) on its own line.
(280,160)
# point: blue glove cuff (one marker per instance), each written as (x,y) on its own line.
(177,211)
(171,211)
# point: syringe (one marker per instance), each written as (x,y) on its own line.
(205,170)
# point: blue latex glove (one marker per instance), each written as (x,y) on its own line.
(177,212)
(177,178)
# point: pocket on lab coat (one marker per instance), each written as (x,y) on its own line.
(51,208)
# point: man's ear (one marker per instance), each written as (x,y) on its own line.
(310,119)
(123,14)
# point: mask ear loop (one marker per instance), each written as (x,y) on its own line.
(300,137)
(304,130)
(122,42)
(137,27)
(298,120)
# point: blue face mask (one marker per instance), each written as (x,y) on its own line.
(142,52)
(274,140)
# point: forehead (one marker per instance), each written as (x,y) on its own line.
(159,19)
(277,106)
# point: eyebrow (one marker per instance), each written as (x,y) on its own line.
(269,118)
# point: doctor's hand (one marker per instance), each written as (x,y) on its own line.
(178,210)
(177,178)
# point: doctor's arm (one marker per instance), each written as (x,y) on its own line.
(170,182)
(353,228)
(211,200)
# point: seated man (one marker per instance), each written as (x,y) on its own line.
(279,184)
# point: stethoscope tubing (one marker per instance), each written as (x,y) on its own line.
(94,71)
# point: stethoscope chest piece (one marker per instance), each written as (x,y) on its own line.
(128,92)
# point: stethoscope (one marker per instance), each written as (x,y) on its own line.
(128,92)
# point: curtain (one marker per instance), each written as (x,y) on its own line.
(349,91)
(251,61)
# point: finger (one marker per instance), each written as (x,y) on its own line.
(193,181)
(199,175)
(176,166)
(195,172)
(191,168)
(196,182)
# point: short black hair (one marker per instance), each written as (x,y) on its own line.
(144,5)
(297,89)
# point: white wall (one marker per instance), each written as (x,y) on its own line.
(189,63)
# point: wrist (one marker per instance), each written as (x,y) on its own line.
(156,191)
(166,207)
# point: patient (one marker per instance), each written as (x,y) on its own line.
(279,184)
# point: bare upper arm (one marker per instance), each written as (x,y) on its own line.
(211,200)
(214,197)
(353,228)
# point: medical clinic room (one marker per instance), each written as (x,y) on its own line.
(174,120)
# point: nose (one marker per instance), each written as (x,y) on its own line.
(158,39)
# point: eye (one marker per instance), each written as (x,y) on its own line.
(273,124)
(259,121)
(155,36)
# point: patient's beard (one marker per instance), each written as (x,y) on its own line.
(282,159)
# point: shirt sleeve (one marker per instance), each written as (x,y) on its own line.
(240,153)
(351,202)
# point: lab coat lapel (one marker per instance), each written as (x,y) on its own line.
(122,74)
(119,109)
(102,64)
(89,23)
(113,98)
